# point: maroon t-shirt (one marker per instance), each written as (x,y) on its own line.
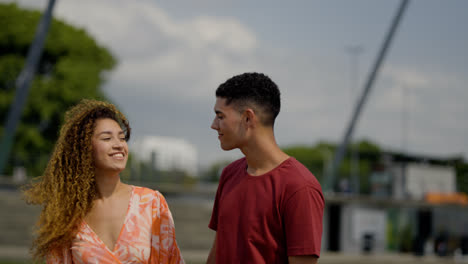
(266,218)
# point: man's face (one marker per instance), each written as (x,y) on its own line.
(228,124)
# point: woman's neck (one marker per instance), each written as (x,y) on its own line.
(108,185)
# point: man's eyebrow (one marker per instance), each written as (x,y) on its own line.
(218,112)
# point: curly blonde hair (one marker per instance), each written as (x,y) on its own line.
(67,188)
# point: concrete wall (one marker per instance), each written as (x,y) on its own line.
(358,220)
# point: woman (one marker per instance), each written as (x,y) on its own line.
(89,215)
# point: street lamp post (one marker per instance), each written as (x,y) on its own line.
(354,51)
(405,100)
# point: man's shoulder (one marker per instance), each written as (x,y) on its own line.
(234,168)
(236,165)
(297,175)
(232,172)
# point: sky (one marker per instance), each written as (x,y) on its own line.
(172,55)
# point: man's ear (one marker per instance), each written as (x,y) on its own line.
(250,117)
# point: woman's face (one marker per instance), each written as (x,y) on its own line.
(110,149)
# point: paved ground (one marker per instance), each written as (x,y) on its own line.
(20,254)
(197,257)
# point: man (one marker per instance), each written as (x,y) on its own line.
(268,207)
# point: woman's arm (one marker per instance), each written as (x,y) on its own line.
(303,260)
(212,256)
(166,249)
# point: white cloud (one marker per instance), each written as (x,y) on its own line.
(156,51)
(170,66)
(418,110)
(407,76)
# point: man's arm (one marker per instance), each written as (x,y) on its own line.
(303,225)
(302,260)
(212,256)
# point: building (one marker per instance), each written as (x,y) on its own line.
(166,154)
(413,206)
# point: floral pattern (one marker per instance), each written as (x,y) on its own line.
(147,236)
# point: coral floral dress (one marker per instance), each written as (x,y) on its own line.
(147,236)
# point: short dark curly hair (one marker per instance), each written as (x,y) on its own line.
(252,89)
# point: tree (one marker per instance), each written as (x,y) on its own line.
(315,158)
(71,68)
(213,173)
(311,157)
(461,169)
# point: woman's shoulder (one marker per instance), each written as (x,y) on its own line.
(146,192)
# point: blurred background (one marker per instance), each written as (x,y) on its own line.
(399,194)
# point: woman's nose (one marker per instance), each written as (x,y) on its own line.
(118,144)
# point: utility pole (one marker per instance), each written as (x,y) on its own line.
(354,51)
(23,83)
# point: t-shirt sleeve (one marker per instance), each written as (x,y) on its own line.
(303,217)
(164,248)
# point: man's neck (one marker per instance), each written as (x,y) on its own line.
(263,155)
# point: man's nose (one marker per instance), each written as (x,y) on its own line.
(214,124)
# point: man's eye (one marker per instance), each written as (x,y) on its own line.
(106,139)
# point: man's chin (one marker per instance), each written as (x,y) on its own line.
(226,148)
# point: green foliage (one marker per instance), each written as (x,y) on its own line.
(406,238)
(392,230)
(367,146)
(461,169)
(311,157)
(14,262)
(315,158)
(213,173)
(71,68)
